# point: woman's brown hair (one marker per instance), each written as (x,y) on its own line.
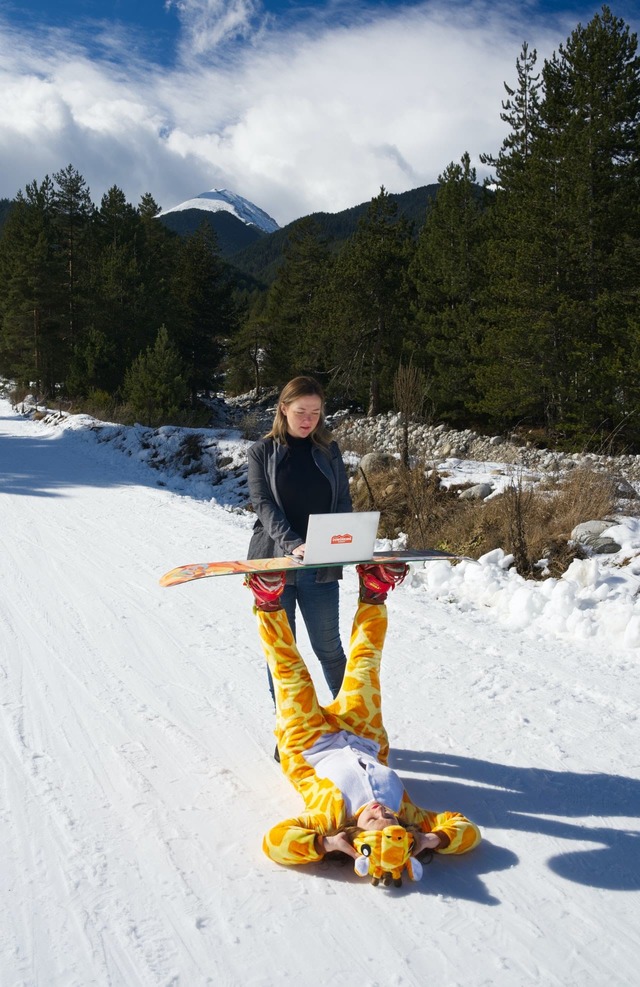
(300,387)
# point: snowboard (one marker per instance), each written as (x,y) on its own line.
(202,570)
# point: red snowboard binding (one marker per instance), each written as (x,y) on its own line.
(267,589)
(377,580)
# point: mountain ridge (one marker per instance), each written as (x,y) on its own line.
(256,253)
(260,259)
(224,200)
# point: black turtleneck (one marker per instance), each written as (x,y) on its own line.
(302,487)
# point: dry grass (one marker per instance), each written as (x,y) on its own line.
(409,501)
(541,520)
(531,523)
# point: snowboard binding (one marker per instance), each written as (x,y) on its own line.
(267,589)
(377,580)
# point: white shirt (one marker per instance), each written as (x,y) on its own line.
(352,764)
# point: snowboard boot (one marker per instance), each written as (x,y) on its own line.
(267,589)
(377,580)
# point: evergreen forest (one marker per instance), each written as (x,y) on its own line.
(517,302)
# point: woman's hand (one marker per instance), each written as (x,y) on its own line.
(299,551)
(428,841)
(337,842)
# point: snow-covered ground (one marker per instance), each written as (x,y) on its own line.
(137,774)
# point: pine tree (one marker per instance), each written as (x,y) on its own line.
(448,277)
(512,376)
(521,111)
(155,385)
(292,323)
(369,310)
(116,222)
(591,144)
(248,347)
(563,249)
(116,305)
(148,207)
(157,253)
(205,314)
(74,211)
(32,302)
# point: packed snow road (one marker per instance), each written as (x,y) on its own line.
(137,777)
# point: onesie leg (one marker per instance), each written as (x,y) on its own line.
(300,720)
(358,705)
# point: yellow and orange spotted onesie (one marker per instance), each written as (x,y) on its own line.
(336,756)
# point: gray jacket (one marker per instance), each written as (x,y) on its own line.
(273,536)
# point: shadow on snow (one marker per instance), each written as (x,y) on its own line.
(536,800)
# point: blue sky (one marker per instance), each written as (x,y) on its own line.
(297,106)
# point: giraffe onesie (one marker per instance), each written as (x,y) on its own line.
(336,756)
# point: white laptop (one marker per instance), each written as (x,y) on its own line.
(341,538)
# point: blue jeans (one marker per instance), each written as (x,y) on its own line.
(319,606)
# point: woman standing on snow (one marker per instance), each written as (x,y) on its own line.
(336,756)
(294,471)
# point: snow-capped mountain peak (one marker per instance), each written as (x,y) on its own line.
(218,199)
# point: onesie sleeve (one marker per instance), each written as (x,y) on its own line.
(463,835)
(293,841)
(263,501)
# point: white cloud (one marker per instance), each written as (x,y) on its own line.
(31,107)
(295,121)
(209,23)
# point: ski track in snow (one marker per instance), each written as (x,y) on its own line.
(137,774)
